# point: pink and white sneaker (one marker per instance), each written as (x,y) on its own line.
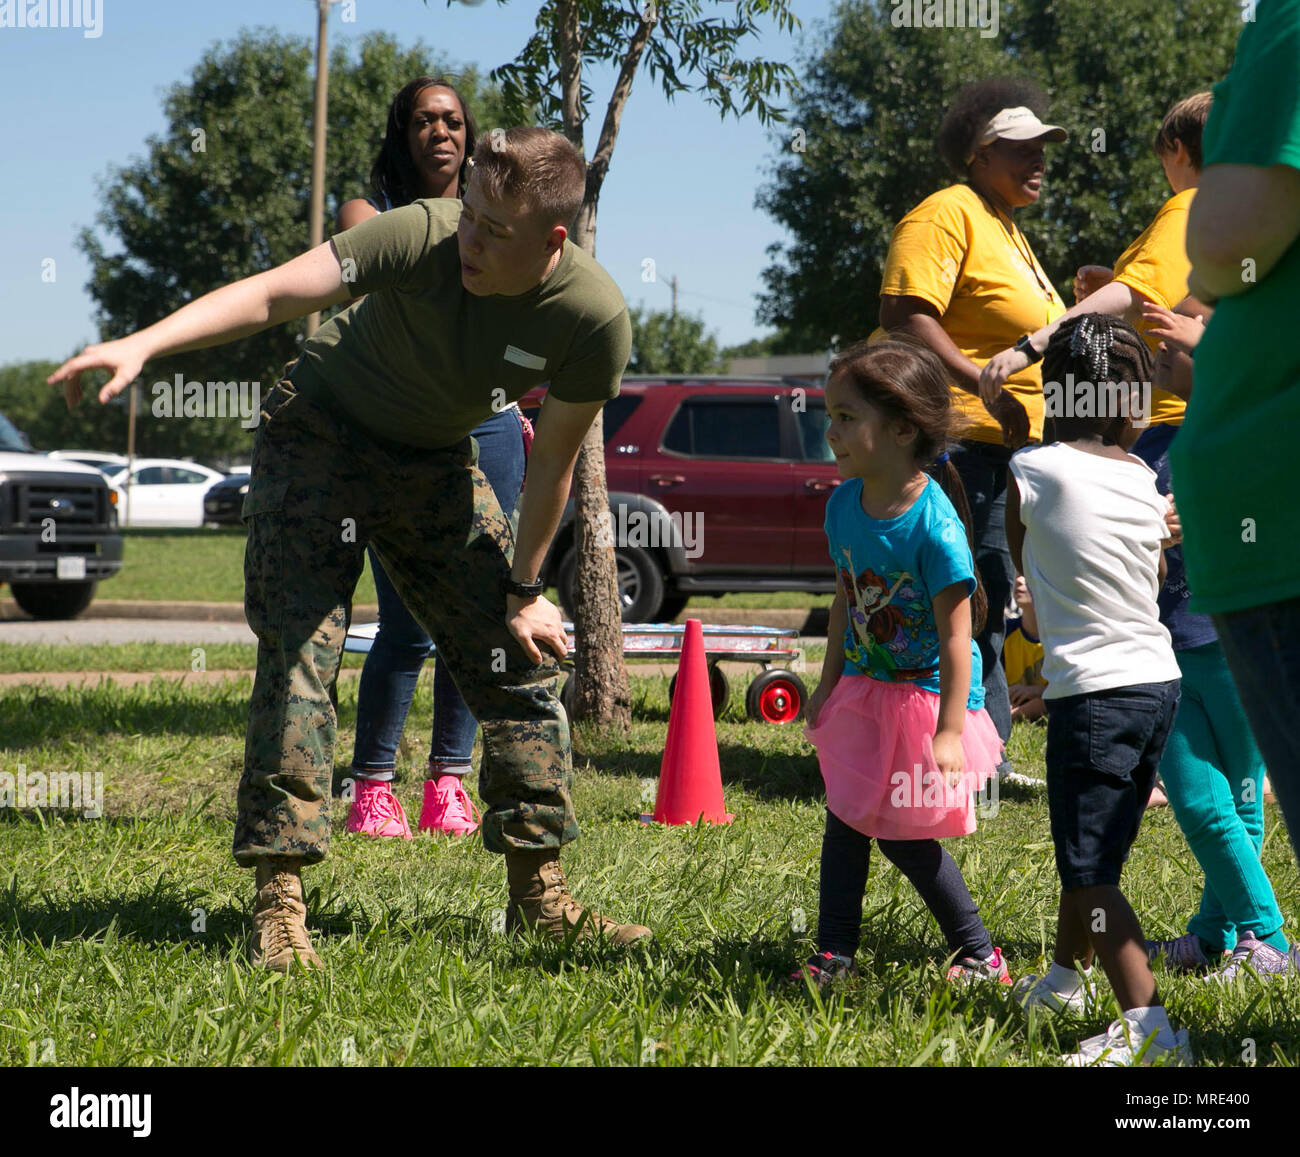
(376,811)
(447,807)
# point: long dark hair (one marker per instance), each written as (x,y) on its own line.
(906,382)
(393,175)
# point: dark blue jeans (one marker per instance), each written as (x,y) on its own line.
(1103,749)
(1262,645)
(983,470)
(392,668)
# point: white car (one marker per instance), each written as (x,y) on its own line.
(163,492)
(100,459)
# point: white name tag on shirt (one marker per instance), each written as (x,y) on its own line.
(524,358)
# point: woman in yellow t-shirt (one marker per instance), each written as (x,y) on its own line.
(961,277)
(1153,269)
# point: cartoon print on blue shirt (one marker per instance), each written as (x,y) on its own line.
(886,614)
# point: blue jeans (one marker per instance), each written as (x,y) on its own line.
(401,646)
(983,470)
(1262,646)
(1103,748)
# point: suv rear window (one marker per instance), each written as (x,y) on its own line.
(616,412)
(705,428)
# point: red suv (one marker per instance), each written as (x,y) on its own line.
(716,484)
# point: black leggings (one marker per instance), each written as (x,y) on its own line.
(846,856)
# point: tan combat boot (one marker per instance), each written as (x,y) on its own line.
(280,919)
(539,898)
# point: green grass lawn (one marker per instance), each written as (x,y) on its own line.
(30,658)
(208,566)
(190,566)
(121,938)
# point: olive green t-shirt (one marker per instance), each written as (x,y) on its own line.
(421,361)
(1234,462)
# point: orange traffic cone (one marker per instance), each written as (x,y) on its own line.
(690,780)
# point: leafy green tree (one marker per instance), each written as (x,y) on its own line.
(667,343)
(858,149)
(756,347)
(42,415)
(223,193)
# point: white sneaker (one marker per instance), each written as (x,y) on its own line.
(1017,780)
(1115,1048)
(1036,992)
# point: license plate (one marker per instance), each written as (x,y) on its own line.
(72,567)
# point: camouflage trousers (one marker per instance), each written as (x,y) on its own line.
(321,490)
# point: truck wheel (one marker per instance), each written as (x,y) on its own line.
(640,585)
(53,600)
(776,696)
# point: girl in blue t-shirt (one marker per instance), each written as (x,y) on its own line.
(898,718)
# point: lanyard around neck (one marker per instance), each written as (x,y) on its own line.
(1025,252)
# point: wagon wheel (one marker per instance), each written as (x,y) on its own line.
(776,696)
(719,689)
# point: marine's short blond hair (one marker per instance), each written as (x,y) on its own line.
(534,166)
(1185,122)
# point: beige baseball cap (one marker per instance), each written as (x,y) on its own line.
(1020,124)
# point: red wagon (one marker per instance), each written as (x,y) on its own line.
(775,695)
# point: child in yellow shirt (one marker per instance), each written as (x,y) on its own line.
(1022,656)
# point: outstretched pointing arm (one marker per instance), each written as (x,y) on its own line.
(310,282)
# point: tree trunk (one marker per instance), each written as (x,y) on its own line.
(603,696)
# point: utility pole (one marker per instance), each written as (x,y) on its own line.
(130,448)
(673,283)
(318,138)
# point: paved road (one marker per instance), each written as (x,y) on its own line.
(91,631)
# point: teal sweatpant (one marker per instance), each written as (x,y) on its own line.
(1213,774)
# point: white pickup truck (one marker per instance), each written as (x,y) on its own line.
(58,529)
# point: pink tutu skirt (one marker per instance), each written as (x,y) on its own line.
(874,741)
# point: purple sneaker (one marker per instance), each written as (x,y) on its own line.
(1184,954)
(1263,959)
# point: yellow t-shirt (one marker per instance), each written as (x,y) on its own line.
(1156,265)
(1023,659)
(977,269)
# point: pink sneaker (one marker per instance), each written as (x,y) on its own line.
(447,807)
(376,811)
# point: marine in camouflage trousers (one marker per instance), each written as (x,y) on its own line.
(321,490)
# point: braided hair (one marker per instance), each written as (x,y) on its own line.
(1093,350)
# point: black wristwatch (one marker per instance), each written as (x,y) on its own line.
(523,590)
(1026,347)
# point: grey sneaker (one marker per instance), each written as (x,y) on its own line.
(1035,992)
(1006,775)
(1118,1048)
(1262,959)
(1183,954)
(825,969)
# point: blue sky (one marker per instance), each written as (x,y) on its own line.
(681,188)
